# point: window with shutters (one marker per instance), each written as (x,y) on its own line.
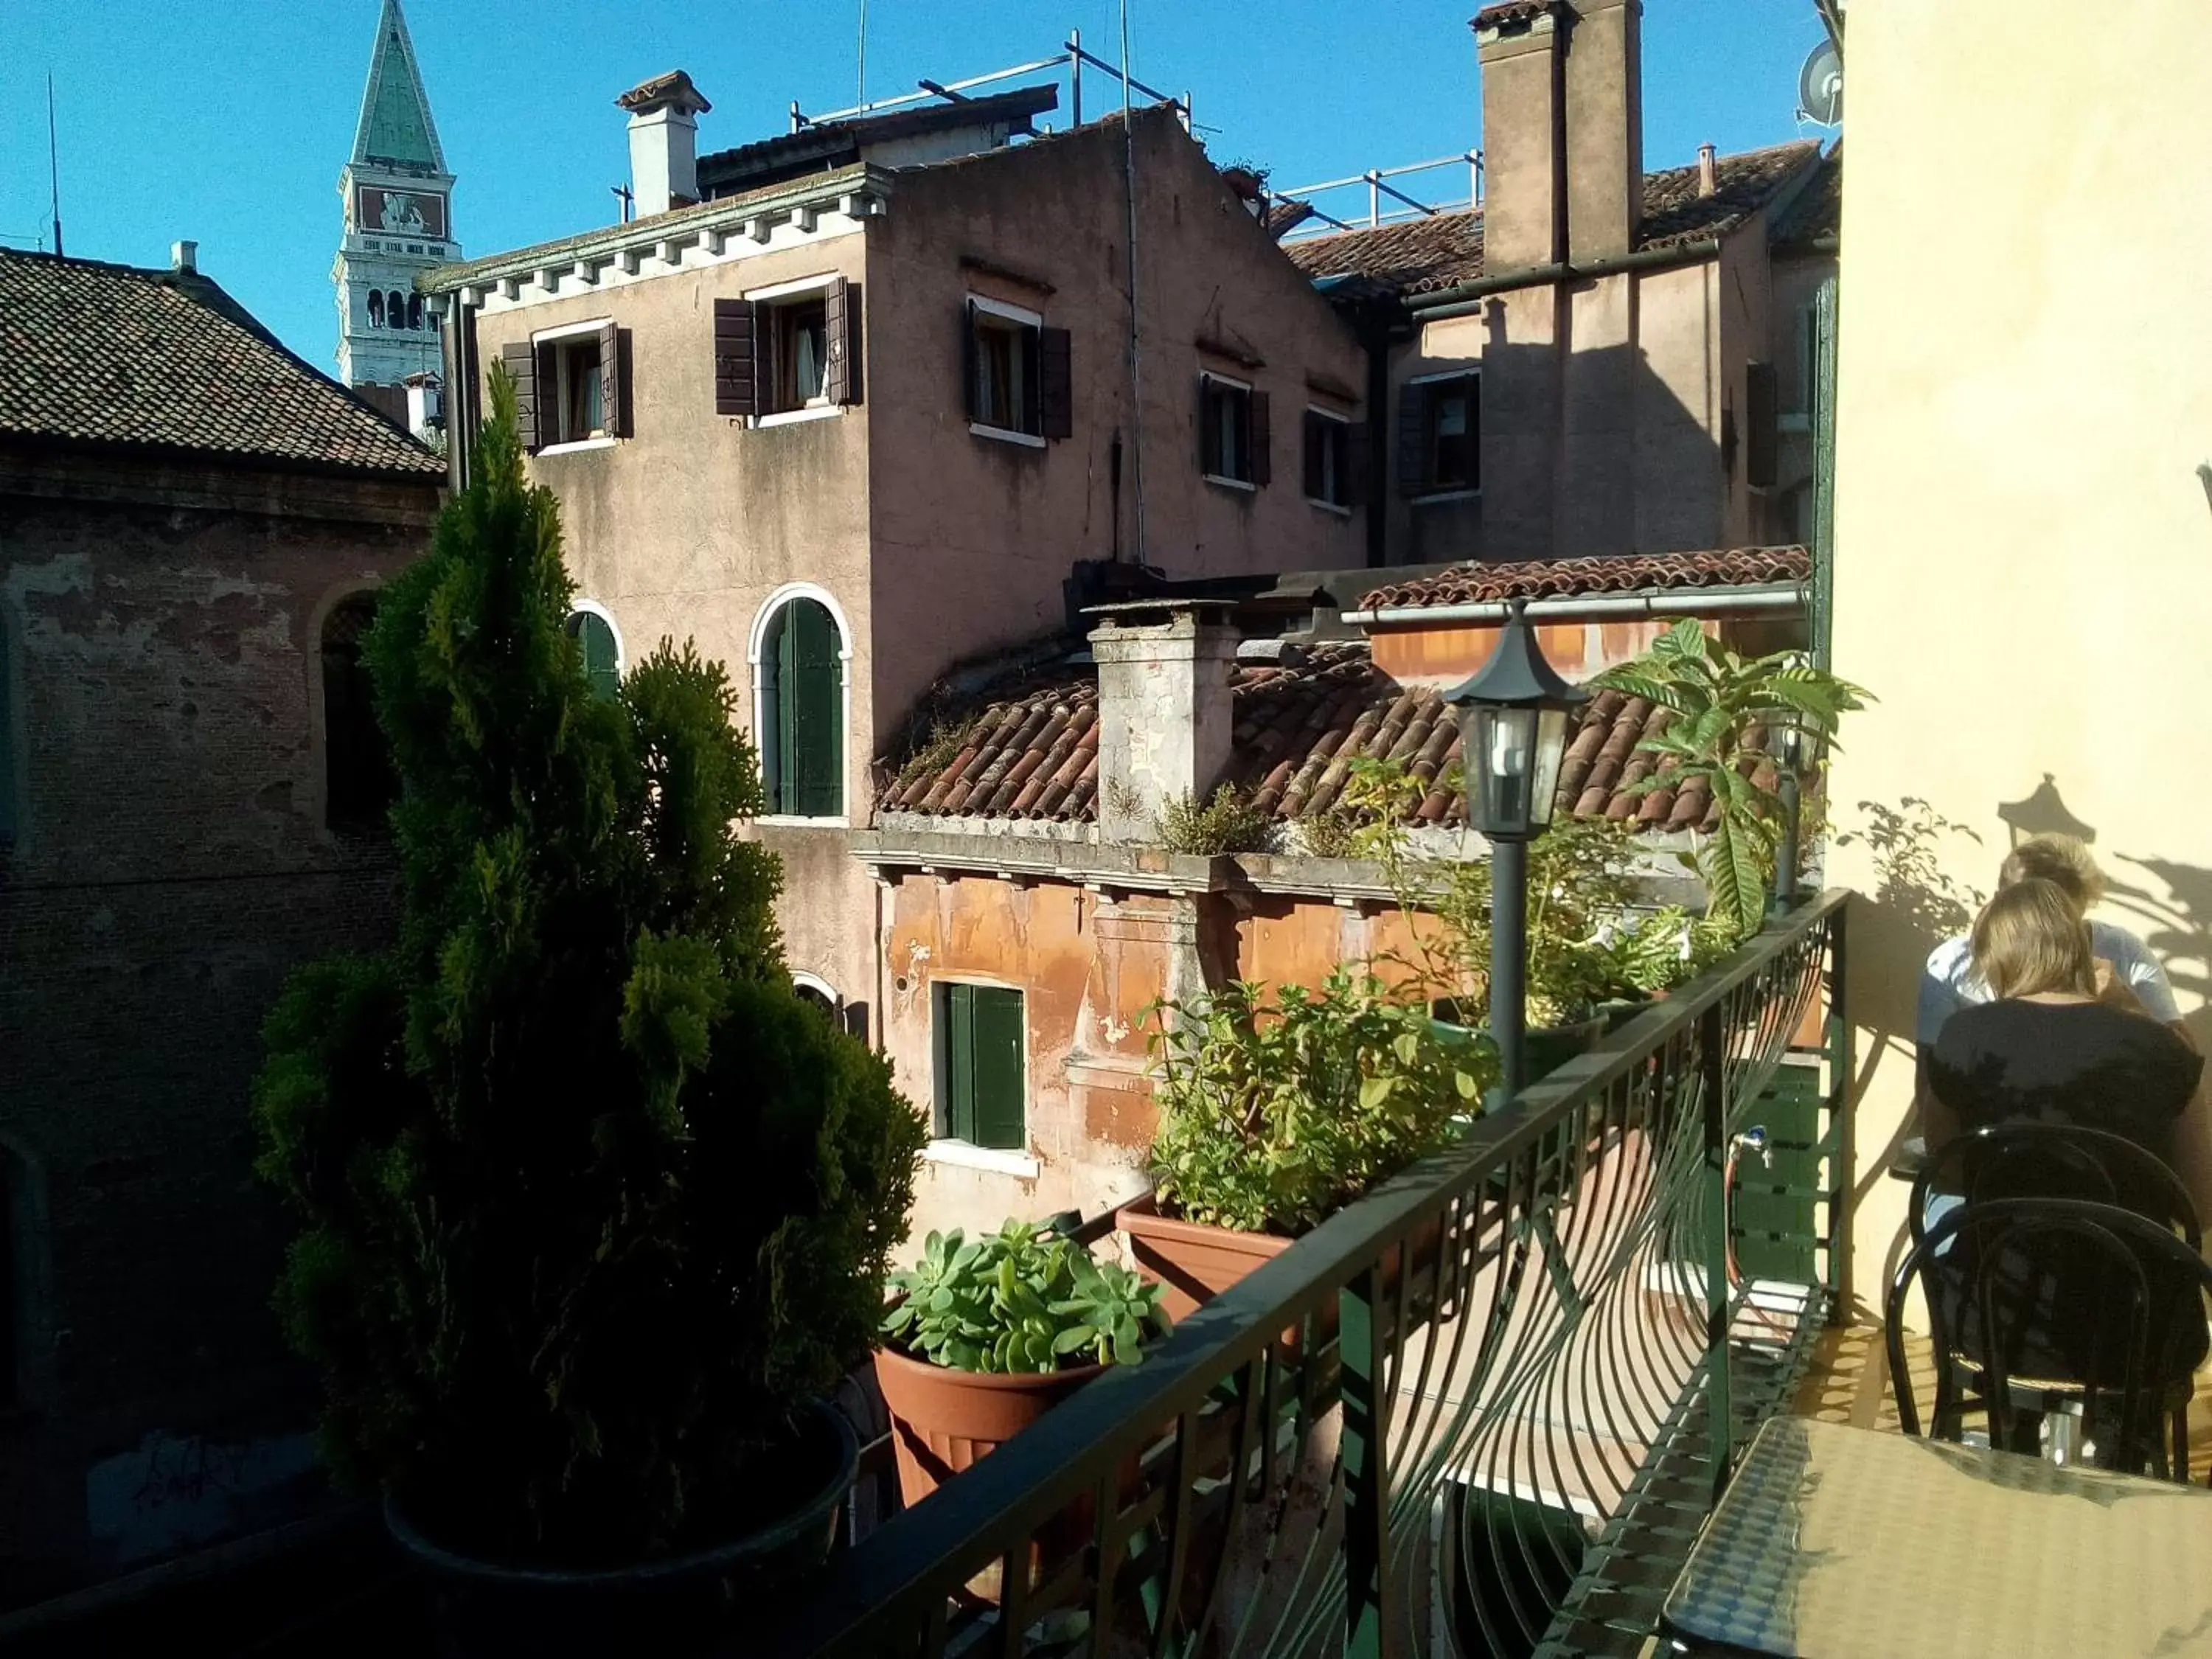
(569,387)
(788,353)
(579,401)
(1440,435)
(593,631)
(1329,475)
(800,692)
(982,1081)
(1017,373)
(359,785)
(1232,431)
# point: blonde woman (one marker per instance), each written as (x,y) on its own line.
(2047,1049)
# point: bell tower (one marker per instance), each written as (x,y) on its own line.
(398,202)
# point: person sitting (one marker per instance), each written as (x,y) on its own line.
(2047,1049)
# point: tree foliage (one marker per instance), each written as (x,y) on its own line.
(1717,697)
(591,1199)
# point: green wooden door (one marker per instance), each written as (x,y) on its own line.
(807,773)
(985,1084)
(602,664)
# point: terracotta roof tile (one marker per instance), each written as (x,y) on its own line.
(1441,250)
(1630,572)
(1033,752)
(114,355)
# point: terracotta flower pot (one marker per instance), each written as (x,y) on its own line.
(942,1419)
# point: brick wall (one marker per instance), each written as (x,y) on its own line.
(170,866)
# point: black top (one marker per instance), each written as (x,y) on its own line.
(2072,1062)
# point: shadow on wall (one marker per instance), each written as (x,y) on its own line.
(2177,926)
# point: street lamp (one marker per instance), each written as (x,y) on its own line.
(1790,747)
(1514,716)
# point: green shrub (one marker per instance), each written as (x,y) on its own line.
(1228,822)
(1655,952)
(591,1201)
(1022,1299)
(1274,1115)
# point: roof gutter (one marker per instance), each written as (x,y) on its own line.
(1462,299)
(1780,596)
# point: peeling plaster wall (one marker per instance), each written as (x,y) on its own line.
(171,868)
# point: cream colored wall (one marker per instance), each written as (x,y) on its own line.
(2024,562)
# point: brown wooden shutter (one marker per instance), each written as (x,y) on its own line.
(1413,439)
(733,358)
(1761,422)
(520,359)
(611,389)
(548,393)
(1358,457)
(1312,434)
(839,312)
(1055,382)
(968,360)
(1262,454)
(1208,462)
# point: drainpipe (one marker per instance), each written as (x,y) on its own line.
(1732,601)
(1464,299)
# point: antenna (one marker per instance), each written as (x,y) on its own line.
(53,166)
(860,75)
(1820,86)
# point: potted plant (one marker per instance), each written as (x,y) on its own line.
(594,1209)
(987,1334)
(1276,1110)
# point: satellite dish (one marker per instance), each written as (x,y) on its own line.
(1821,86)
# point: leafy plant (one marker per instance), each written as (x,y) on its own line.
(1716,697)
(1023,1299)
(1653,952)
(1275,1114)
(590,1200)
(1227,823)
(1331,834)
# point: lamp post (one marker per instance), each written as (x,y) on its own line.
(1789,747)
(1514,716)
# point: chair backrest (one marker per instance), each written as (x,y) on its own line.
(2060,1290)
(2055,1160)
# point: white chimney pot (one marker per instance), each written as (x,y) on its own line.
(185,256)
(664,141)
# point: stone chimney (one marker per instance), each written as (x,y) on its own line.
(1165,717)
(1522,45)
(1709,171)
(184,257)
(664,140)
(1562,130)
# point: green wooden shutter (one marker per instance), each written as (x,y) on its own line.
(783,724)
(959,1040)
(602,667)
(1000,1081)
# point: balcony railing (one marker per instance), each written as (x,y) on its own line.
(1482,1410)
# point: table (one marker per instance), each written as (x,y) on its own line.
(1835,1542)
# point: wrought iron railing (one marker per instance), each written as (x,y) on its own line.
(1482,1410)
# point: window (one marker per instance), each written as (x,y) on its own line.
(595,635)
(1332,467)
(413,311)
(359,785)
(1017,372)
(801,702)
(569,384)
(1232,431)
(788,351)
(981,1081)
(375,309)
(395,308)
(1440,435)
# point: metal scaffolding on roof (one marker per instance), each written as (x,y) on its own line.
(1072,57)
(1375,181)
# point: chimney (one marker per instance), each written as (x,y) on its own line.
(1709,175)
(1164,715)
(184,258)
(1605,129)
(1522,45)
(664,140)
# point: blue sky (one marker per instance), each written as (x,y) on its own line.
(227,122)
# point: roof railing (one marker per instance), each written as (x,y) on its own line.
(1375,181)
(1072,56)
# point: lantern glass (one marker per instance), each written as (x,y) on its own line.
(1789,747)
(1514,753)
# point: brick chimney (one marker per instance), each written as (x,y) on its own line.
(664,140)
(1562,130)
(1164,716)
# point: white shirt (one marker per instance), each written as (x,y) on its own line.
(1950,983)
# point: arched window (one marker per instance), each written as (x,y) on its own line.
(816,992)
(395,307)
(359,783)
(375,309)
(801,690)
(595,634)
(413,311)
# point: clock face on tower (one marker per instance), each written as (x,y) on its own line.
(400,212)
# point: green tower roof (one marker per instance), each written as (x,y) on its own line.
(396,129)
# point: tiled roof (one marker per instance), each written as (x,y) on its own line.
(1033,752)
(100,354)
(1442,249)
(1629,573)
(1817,214)
(827,144)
